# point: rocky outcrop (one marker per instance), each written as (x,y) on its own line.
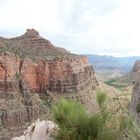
(65,75)
(30,64)
(42,66)
(40,130)
(134,109)
(17,104)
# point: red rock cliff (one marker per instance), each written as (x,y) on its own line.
(30,64)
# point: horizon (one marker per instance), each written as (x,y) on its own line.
(99,27)
(112,55)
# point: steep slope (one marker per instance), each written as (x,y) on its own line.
(30,64)
(134,109)
(127,78)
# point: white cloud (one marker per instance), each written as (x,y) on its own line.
(82,26)
(40,14)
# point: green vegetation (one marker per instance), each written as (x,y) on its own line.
(113,82)
(101,98)
(110,81)
(76,124)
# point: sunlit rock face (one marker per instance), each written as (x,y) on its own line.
(41,130)
(134,109)
(31,66)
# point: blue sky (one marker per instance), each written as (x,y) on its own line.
(110,27)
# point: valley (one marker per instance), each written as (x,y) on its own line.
(114,71)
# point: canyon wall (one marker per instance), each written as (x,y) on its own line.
(134,109)
(32,67)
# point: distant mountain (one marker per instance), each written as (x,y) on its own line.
(112,65)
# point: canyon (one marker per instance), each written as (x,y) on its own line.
(31,68)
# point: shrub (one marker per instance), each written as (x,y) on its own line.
(66,111)
(101,99)
(75,123)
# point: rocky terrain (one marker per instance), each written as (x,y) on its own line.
(43,130)
(134,109)
(32,67)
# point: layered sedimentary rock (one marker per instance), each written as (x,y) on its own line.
(30,64)
(17,104)
(134,109)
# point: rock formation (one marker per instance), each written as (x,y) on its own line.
(30,66)
(134,109)
(41,130)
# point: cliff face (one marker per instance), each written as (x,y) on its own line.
(17,104)
(30,64)
(63,75)
(134,109)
